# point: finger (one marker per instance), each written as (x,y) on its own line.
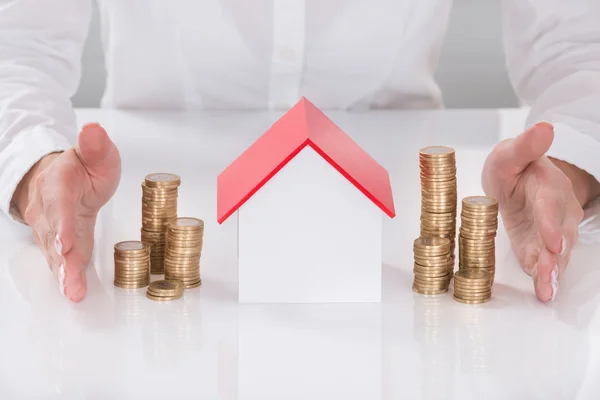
(74,274)
(76,261)
(59,208)
(547,217)
(68,269)
(570,229)
(513,156)
(545,276)
(44,235)
(96,151)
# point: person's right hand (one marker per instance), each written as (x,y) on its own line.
(60,198)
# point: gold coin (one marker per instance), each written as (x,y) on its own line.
(158,196)
(163,298)
(432,274)
(471,234)
(436,152)
(482,296)
(422,277)
(186,223)
(479,202)
(431,185)
(131,246)
(477,242)
(182,260)
(439,267)
(440,209)
(476,246)
(467,293)
(166,286)
(478,237)
(437,178)
(136,285)
(192,285)
(430,289)
(480,262)
(472,275)
(432,244)
(476,256)
(130,272)
(161,180)
(118,258)
(479,301)
(446,233)
(419,290)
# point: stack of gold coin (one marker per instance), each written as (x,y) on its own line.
(159,206)
(184,247)
(472,286)
(438,193)
(132,264)
(477,236)
(433,267)
(165,290)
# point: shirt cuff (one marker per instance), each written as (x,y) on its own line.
(576,148)
(22,153)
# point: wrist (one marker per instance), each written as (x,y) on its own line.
(24,191)
(585,186)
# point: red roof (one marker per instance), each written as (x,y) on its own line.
(303,125)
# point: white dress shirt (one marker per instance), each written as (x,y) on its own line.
(241,54)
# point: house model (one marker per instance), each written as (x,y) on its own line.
(310,205)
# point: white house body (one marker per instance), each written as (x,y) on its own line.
(309,236)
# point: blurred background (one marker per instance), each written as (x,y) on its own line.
(471,74)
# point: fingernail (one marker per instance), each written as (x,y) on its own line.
(90,124)
(563,246)
(58,245)
(546,123)
(61,279)
(554,282)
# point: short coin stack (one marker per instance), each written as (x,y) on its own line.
(472,286)
(438,193)
(433,266)
(184,247)
(159,206)
(165,290)
(132,264)
(477,237)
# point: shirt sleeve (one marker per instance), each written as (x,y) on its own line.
(553,56)
(41,45)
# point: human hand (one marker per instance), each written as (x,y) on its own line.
(538,203)
(59,199)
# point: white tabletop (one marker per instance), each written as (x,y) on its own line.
(120,345)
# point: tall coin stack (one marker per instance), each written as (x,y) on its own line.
(438,193)
(159,206)
(433,267)
(132,264)
(472,286)
(184,247)
(477,236)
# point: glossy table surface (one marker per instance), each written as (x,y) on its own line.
(117,344)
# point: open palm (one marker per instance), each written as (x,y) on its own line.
(539,209)
(66,198)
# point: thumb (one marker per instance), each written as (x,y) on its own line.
(96,151)
(529,146)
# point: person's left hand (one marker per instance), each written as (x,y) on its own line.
(538,205)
